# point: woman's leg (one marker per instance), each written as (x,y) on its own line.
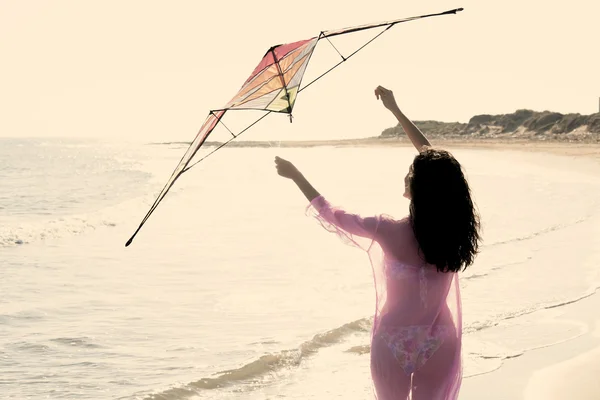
(433,380)
(390,381)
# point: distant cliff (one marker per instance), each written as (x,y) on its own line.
(522,123)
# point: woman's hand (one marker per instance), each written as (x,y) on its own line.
(286,169)
(289,170)
(387,98)
(412,131)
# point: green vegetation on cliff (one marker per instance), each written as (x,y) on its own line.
(520,123)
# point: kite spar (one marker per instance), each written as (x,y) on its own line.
(273,86)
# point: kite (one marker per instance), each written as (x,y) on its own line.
(273,87)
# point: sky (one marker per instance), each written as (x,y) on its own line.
(152,70)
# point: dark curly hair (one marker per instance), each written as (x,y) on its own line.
(444,218)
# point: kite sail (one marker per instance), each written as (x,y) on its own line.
(273,86)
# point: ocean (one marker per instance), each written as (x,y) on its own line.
(231,292)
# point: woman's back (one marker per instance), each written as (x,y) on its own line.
(415,292)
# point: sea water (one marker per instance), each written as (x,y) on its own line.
(231,292)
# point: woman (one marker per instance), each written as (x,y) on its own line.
(417,327)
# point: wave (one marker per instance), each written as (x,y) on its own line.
(510,354)
(495,268)
(11,236)
(18,233)
(364,349)
(497,356)
(22,233)
(267,367)
(82,190)
(83,342)
(541,232)
(478,326)
(266,364)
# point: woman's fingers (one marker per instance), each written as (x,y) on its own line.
(381,92)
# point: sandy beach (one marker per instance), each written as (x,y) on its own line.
(568,370)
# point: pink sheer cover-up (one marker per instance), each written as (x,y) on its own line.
(417,326)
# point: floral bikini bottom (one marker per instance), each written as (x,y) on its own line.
(413,345)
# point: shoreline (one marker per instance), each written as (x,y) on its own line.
(564,370)
(403,140)
(567,147)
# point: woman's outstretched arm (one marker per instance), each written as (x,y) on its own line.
(353,224)
(289,170)
(415,135)
(307,189)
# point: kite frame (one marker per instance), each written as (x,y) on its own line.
(220,113)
